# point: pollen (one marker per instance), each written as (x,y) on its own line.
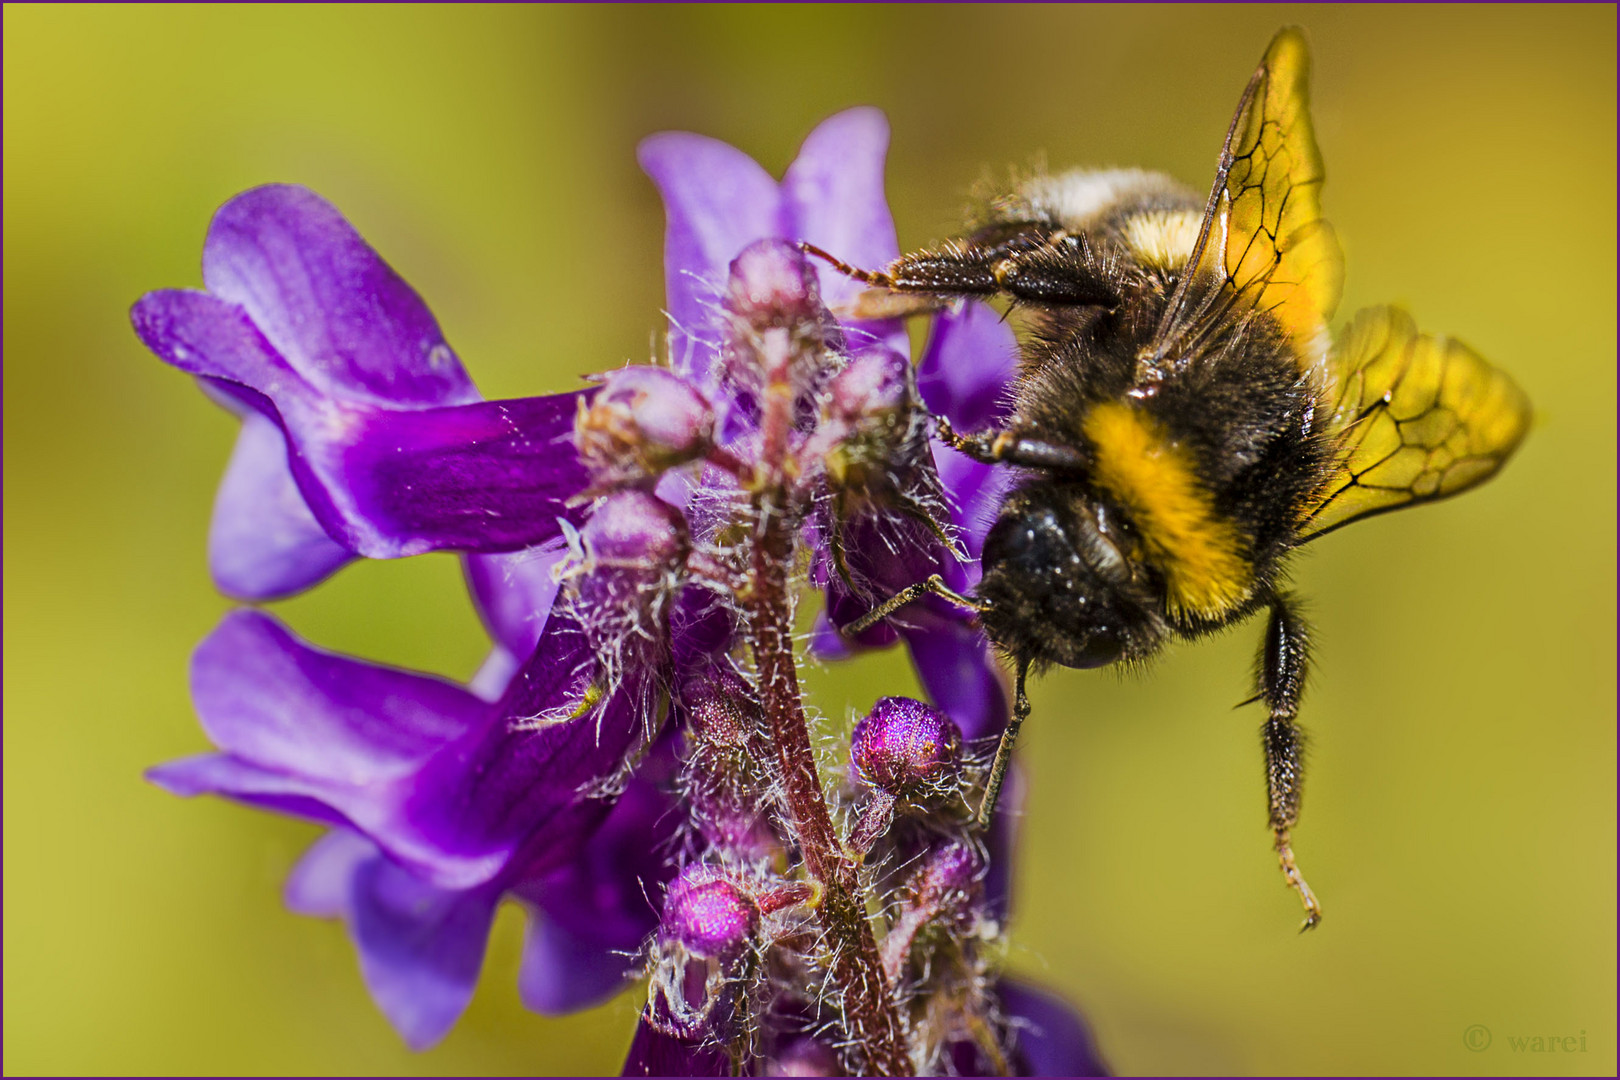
(1185,538)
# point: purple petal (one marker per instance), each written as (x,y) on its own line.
(319,884)
(490,477)
(834,196)
(421,947)
(526,791)
(494,675)
(1006,828)
(222,774)
(449,785)
(563,971)
(957,669)
(826,643)
(717,201)
(267,698)
(514,594)
(967,366)
(327,302)
(205,336)
(1053,1039)
(263,541)
(594,913)
(652,1053)
(974,491)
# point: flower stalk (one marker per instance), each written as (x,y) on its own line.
(871,1016)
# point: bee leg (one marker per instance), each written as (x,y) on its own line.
(1282,664)
(910,594)
(1004,749)
(951,271)
(1001,447)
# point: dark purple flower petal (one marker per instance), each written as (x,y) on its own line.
(957,669)
(486,477)
(490,477)
(717,200)
(967,366)
(421,947)
(594,913)
(1053,1039)
(454,788)
(528,789)
(652,1053)
(328,303)
(263,541)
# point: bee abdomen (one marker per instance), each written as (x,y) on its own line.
(1201,553)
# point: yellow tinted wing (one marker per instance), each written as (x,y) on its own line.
(1416,417)
(1264,245)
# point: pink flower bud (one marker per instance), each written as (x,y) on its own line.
(773,284)
(709,914)
(642,421)
(904,744)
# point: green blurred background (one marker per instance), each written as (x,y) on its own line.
(1460,824)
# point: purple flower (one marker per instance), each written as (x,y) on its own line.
(362,433)
(617,539)
(718,200)
(442,807)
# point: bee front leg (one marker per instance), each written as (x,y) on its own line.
(1002,447)
(1282,664)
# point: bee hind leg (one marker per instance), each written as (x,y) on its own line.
(1281,673)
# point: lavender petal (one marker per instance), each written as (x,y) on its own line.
(1053,1039)
(717,200)
(967,366)
(421,947)
(327,302)
(263,541)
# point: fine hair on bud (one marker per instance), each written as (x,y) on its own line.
(641,421)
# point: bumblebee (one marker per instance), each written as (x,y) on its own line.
(1182,421)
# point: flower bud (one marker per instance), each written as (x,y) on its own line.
(632,548)
(874,385)
(636,534)
(642,421)
(952,868)
(779,334)
(866,417)
(773,284)
(721,711)
(903,744)
(709,914)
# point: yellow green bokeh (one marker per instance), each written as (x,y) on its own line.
(1460,817)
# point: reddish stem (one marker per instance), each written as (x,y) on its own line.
(870,1013)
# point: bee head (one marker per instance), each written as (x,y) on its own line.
(1058,588)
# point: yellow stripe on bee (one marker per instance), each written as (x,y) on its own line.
(1163,239)
(1196,549)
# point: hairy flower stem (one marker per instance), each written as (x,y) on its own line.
(870,1014)
(857,971)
